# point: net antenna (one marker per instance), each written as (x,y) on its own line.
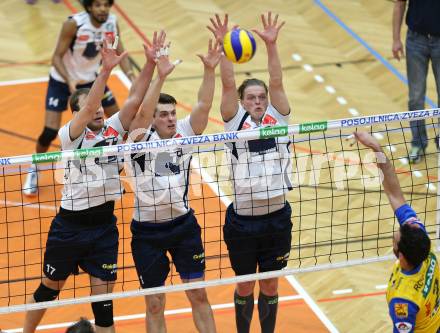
(438,201)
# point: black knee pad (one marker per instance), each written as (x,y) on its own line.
(48,135)
(103,312)
(44,294)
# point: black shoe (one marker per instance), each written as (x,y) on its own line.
(416,154)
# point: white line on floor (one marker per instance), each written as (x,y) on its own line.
(11,204)
(311,303)
(142,315)
(342,291)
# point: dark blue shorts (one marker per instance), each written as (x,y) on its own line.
(69,246)
(180,237)
(58,95)
(258,241)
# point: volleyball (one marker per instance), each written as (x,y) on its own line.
(239,45)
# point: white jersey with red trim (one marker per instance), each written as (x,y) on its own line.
(260,168)
(83,58)
(162,179)
(92,181)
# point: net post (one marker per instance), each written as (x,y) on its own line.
(437,233)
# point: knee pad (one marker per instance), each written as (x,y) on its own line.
(103,312)
(44,294)
(48,135)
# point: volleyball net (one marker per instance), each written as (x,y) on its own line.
(340,214)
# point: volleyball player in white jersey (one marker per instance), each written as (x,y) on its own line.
(257,229)
(84,231)
(75,64)
(162,219)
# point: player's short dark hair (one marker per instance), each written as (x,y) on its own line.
(88,3)
(414,244)
(250,82)
(82,326)
(166,99)
(74,99)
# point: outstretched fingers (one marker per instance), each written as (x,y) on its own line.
(226,20)
(214,23)
(218,26)
(154,38)
(263,20)
(162,37)
(281,25)
(212,58)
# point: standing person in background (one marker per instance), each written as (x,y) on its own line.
(75,64)
(422,46)
(258,225)
(413,293)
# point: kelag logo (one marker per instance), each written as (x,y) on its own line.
(273,132)
(46,157)
(88,152)
(313,127)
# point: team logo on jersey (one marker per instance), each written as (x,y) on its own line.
(178,135)
(429,274)
(246,125)
(110,131)
(83,38)
(269,120)
(110,34)
(403,327)
(284,257)
(199,257)
(110,267)
(401,310)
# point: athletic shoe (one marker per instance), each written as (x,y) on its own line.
(30,186)
(416,154)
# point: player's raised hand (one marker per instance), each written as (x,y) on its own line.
(218,27)
(158,42)
(271,28)
(110,58)
(164,66)
(212,58)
